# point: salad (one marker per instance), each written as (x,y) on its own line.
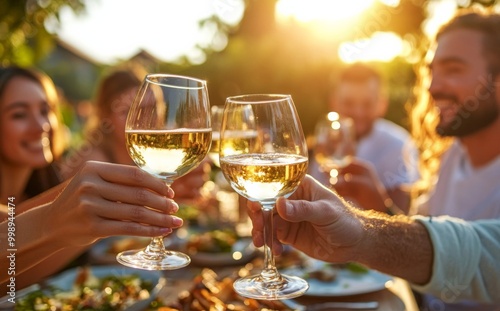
(111,292)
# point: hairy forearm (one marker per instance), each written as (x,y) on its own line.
(396,245)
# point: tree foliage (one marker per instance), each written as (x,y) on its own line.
(24,35)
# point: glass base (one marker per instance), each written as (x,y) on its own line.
(254,287)
(166,260)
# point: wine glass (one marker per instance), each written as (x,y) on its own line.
(168,134)
(216,117)
(335,144)
(263,156)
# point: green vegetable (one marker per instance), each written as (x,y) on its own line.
(356,267)
(107,294)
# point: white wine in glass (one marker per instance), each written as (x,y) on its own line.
(168,134)
(213,153)
(263,156)
(335,143)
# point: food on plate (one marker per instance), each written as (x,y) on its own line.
(355,267)
(188,212)
(327,273)
(215,241)
(211,292)
(112,292)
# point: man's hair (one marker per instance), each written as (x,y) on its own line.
(358,73)
(489,26)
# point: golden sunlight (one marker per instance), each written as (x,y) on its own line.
(325,11)
(327,20)
(381,46)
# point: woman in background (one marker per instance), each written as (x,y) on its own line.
(105,130)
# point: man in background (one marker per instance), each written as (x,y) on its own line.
(381,144)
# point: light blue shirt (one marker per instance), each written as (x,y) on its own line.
(466,262)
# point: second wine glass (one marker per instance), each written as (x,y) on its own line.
(168,134)
(263,155)
(216,117)
(335,143)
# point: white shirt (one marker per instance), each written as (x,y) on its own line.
(390,149)
(463,191)
(468,193)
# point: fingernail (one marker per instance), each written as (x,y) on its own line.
(175,207)
(176,221)
(165,231)
(171,192)
(289,208)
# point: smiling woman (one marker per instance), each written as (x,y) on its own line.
(30,133)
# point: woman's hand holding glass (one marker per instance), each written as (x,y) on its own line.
(105,199)
(168,134)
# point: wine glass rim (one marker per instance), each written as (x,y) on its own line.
(167,75)
(258,98)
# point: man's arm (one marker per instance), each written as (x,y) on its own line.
(427,253)
(467,259)
(396,245)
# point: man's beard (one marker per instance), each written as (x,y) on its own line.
(474,114)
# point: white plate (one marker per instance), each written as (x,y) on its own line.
(349,283)
(346,283)
(99,252)
(242,252)
(66,279)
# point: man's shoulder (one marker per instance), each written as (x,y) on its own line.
(389,131)
(385,125)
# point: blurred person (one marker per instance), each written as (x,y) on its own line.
(105,134)
(465,95)
(30,143)
(448,257)
(31,134)
(383,144)
(456,125)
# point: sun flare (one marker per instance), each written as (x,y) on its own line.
(324,11)
(330,21)
(381,46)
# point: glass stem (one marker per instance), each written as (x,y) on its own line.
(156,248)
(269,274)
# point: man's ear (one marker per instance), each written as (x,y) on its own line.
(383,105)
(496,85)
